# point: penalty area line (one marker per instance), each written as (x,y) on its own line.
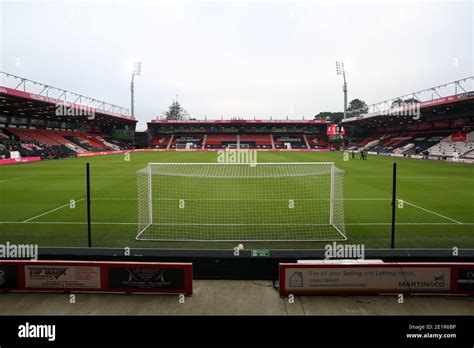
(431,212)
(50,211)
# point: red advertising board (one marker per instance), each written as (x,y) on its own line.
(19,160)
(441,124)
(97,276)
(332,129)
(459,137)
(459,122)
(376,278)
(425,126)
(240,121)
(101,153)
(412,126)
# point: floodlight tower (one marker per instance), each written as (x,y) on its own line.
(340,71)
(137,70)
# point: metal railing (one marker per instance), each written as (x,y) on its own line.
(38,88)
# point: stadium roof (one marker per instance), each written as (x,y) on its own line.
(236,121)
(443,108)
(459,104)
(26,98)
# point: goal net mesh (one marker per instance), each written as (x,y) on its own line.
(240,202)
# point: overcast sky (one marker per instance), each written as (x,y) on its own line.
(247,59)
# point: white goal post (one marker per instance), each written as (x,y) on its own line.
(216,202)
(183,146)
(238,146)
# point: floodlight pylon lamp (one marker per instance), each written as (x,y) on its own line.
(339,68)
(137,68)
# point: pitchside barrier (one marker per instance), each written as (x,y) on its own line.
(114,152)
(19,160)
(96,276)
(364,278)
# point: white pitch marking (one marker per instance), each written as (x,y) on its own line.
(432,212)
(50,211)
(271,200)
(175,224)
(409,177)
(113,199)
(17,178)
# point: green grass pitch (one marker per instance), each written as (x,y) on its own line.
(34,201)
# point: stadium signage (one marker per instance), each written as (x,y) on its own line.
(124,277)
(188,139)
(59,277)
(289,139)
(113,152)
(260,253)
(375,278)
(459,137)
(19,160)
(239,121)
(466,279)
(164,278)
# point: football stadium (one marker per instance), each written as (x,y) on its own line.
(255,202)
(47,198)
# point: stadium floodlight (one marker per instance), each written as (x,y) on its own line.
(137,70)
(216,202)
(340,71)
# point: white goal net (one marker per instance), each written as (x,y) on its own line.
(239,202)
(183,146)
